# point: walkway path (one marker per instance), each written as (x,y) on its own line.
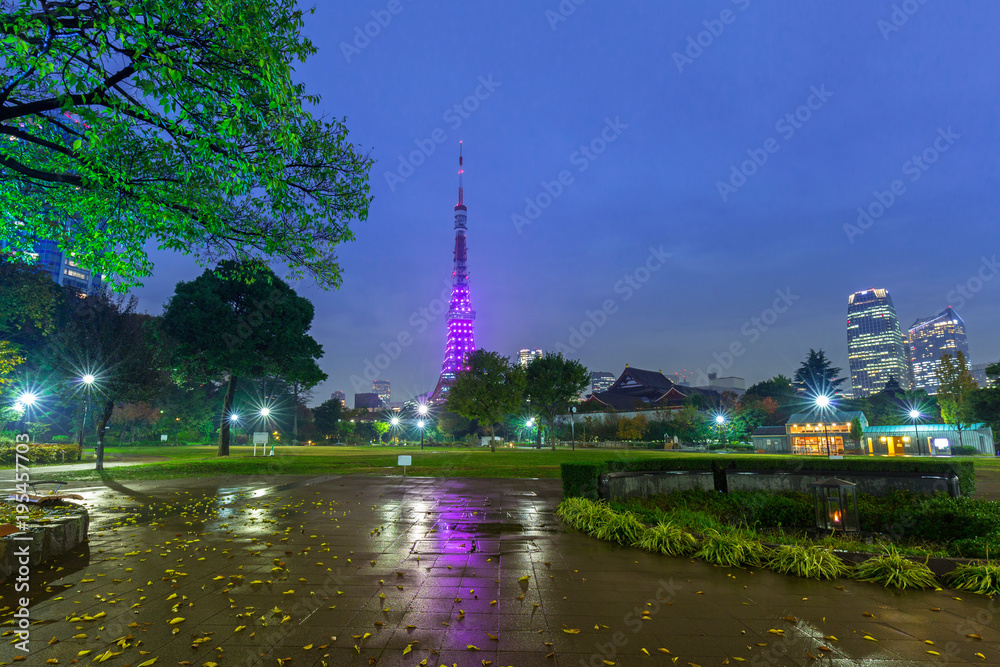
(343,571)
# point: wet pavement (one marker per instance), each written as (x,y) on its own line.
(434,571)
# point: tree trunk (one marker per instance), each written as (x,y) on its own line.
(227,410)
(295,416)
(83,427)
(102,424)
(552,432)
(493,439)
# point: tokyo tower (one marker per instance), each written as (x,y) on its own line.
(461,337)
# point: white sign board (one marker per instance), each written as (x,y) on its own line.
(404,461)
(163,437)
(260,437)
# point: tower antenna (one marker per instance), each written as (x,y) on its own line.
(460,171)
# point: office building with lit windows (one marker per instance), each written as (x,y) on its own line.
(601,381)
(930,339)
(381,387)
(875,348)
(62,268)
(525,356)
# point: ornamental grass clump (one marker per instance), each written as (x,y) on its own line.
(807,562)
(731,549)
(979,577)
(668,539)
(892,569)
(621,527)
(571,509)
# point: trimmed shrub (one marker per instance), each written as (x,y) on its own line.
(975,547)
(965,450)
(37,454)
(580,479)
(61,439)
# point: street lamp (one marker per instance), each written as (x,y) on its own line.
(915,418)
(25,401)
(395,423)
(88,381)
(823,402)
(420,425)
(572,424)
(720,421)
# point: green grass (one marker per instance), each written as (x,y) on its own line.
(200,461)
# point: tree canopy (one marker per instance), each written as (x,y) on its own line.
(489,389)
(264,328)
(171,122)
(817,375)
(955,390)
(552,382)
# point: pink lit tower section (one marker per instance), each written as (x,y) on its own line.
(461,334)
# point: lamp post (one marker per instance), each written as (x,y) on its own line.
(88,381)
(394,422)
(823,402)
(572,425)
(234,420)
(422,411)
(720,421)
(915,417)
(25,402)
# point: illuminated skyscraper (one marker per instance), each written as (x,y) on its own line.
(461,336)
(930,339)
(874,342)
(525,356)
(601,381)
(381,387)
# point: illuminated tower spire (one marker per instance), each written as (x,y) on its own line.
(461,336)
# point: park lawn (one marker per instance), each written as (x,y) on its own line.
(197,461)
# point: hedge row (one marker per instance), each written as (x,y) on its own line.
(37,454)
(580,479)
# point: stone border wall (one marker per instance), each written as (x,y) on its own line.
(620,485)
(874,483)
(49,540)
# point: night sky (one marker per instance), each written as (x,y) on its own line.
(644,110)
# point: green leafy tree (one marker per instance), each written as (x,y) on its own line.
(455,426)
(171,122)
(857,431)
(491,388)
(817,375)
(120,347)
(552,383)
(9,360)
(326,417)
(956,387)
(264,327)
(632,428)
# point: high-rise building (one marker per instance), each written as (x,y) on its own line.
(339,396)
(930,339)
(367,401)
(461,336)
(601,381)
(381,387)
(62,268)
(874,343)
(525,356)
(979,375)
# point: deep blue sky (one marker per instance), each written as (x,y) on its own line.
(656,184)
